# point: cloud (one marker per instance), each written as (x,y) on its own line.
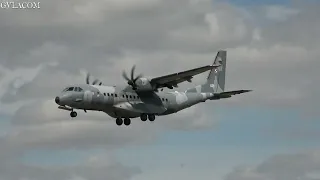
(280,13)
(44,50)
(304,166)
(99,166)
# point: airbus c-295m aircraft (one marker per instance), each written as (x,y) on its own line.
(142,98)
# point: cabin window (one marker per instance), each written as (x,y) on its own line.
(162,99)
(70,89)
(127,96)
(108,94)
(115,95)
(111,94)
(123,96)
(130,96)
(80,89)
(104,94)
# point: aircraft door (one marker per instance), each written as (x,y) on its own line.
(88,97)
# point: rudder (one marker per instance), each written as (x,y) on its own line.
(217,76)
(216,79)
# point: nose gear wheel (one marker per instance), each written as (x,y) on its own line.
(73,114)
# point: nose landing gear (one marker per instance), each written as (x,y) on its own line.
(73,114)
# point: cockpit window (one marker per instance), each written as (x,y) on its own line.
(76,89)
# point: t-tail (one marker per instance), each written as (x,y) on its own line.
(216,80)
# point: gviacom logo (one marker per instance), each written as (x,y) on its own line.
(19,5)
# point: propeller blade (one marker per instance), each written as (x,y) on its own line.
(132,72)
(87,78)
(125,76)
(138,77)
(95,82)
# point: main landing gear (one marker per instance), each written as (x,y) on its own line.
(125,121)
(144,117)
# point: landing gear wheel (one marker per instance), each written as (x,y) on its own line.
(127,121)
(73,114)
(151,117)
(143,117)
(119,121)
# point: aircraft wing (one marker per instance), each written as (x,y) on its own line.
(228,94)
(172,80)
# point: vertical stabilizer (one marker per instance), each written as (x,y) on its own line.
(216,79)
(218,76)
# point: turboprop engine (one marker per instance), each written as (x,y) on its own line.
(138,83)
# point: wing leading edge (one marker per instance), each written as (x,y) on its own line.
(172,80)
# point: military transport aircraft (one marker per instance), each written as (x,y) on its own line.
(144,97)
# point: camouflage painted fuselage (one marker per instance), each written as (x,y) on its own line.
(125,102)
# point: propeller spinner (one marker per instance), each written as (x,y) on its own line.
(132,80)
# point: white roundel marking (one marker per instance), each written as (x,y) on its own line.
(181,98)
(216,70)
(143,81)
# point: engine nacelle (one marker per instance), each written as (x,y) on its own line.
(143,84)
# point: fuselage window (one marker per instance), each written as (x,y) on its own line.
(130,96)
(70,89)
(111,94)
(127,96)
(162,99)
(108,94)
(80,89)
(123,96)
(115,95)
(104,94)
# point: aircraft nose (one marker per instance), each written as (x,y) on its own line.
(57,100)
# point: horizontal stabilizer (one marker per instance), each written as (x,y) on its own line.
(228,94)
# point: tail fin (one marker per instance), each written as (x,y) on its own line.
(217,76)
(216,79)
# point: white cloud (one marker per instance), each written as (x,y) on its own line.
(280,13)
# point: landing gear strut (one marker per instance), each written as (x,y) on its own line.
(73,114)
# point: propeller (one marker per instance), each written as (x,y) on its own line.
(132,80)
(94,82)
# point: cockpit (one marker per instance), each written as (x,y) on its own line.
(75,89)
